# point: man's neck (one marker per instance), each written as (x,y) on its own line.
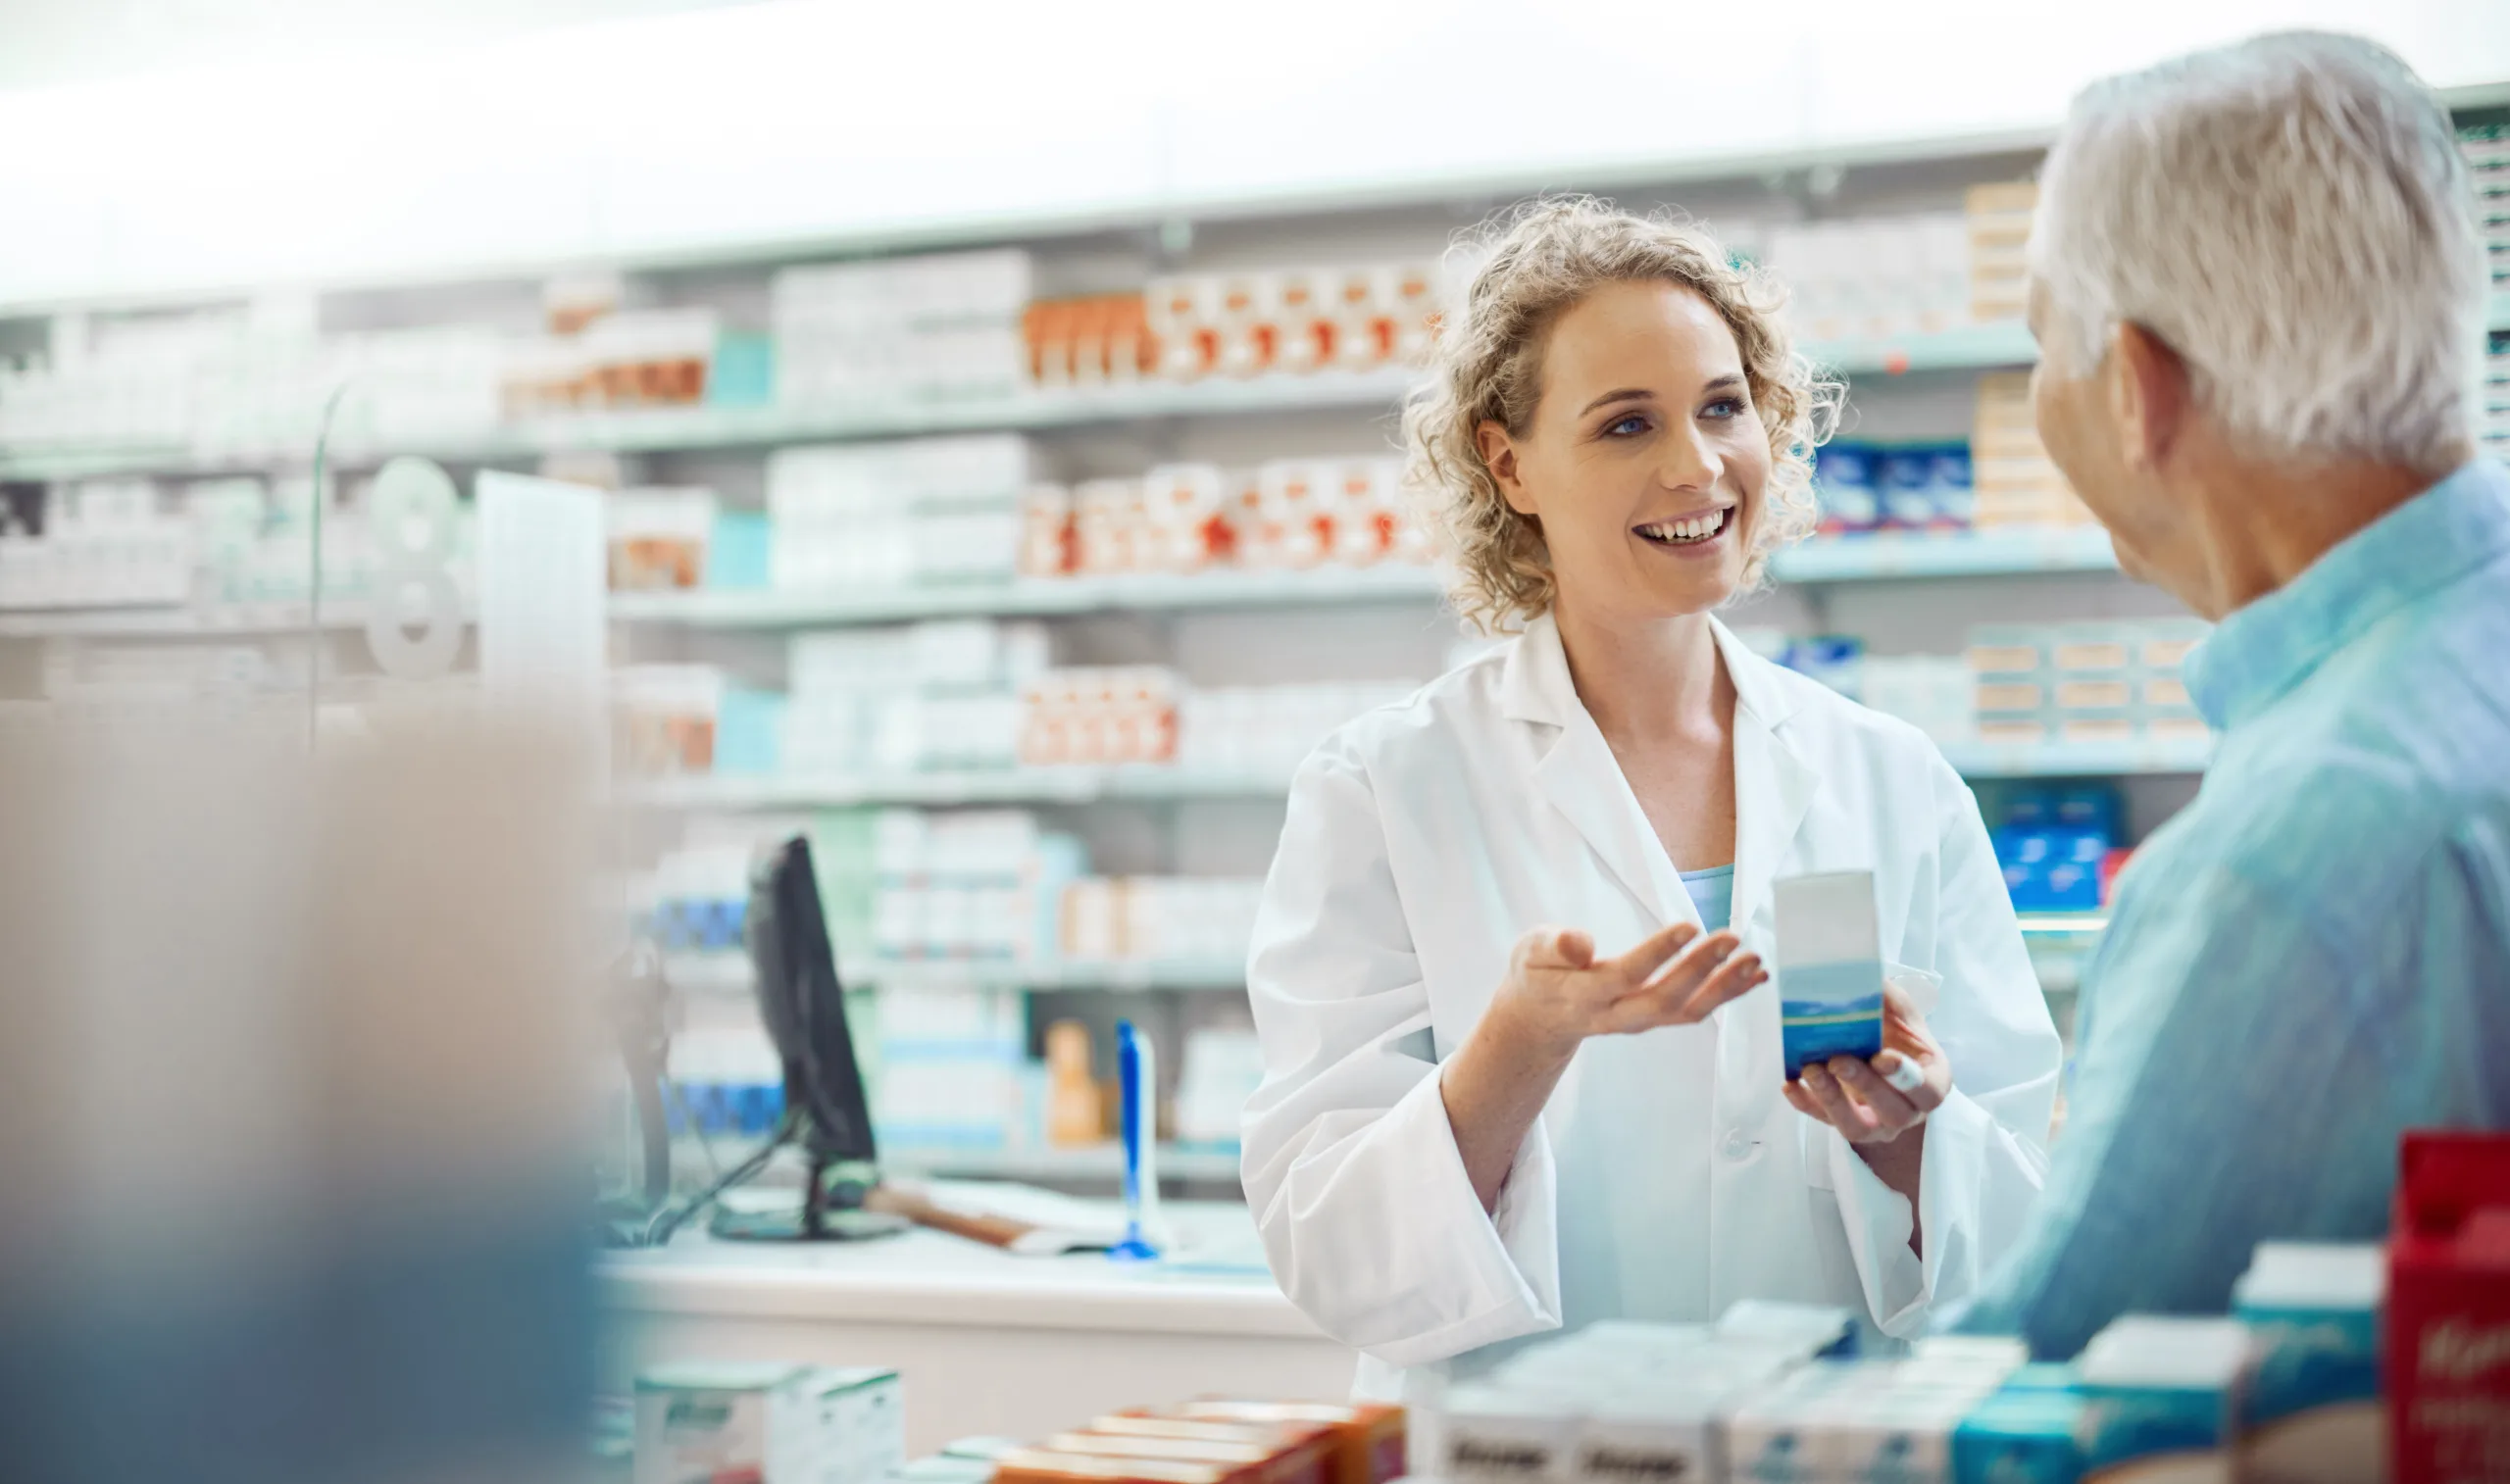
(2263,525)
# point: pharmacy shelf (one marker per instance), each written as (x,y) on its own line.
(2077,760)
(1968,347)
(664,429)
(1031,597)
(1048,1166)
(1085,785)
(1888,557)
(731,973)
(237,621)
(1030,786)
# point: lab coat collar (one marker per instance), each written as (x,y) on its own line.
(1772,785)
(1536,685)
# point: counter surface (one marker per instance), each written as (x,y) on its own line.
(988,1343)
(1215,1285)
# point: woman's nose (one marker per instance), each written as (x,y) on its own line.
(1689,461)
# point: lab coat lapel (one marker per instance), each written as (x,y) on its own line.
(1773,786)
(1583,779)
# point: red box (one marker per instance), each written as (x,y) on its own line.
(2447,1340)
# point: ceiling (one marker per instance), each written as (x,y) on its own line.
(43,42)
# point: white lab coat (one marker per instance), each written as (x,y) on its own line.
(1667,1178)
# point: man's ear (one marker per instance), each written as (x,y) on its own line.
(1500,453)
(2151,394)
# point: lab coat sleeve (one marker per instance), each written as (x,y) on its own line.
(1369,1220)
(1987,1148)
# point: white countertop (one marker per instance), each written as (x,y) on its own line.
(1214,1285)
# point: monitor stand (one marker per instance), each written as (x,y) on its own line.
(824,1215)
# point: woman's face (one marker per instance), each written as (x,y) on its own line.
(1645,459)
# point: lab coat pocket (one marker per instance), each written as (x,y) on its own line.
(1817,1152)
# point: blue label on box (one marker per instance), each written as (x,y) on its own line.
(2122,1425)
(2309,1358)
(1829,1010)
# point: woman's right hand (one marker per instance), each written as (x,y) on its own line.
(1557,993)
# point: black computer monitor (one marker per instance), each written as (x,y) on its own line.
(803,1005)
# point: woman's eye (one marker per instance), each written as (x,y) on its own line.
(1723,407)
(1625,427)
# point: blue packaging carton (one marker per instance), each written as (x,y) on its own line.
(2312,1410)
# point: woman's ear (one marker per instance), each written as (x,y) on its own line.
(1499,455)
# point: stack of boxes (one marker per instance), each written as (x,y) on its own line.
(2016,483)
(2061,849)
(1999,217)
(976,886)
(942,694)
(1743,1401)
(2495,429)
(891,515)
(1159,920)
(659,538)
(901,332)
(614,362)
(1354,317)
(1096,340)
(701,1422)
(1189,518)
(1100,716)
(1876,278)
(1900,487)
(2487,147)
(1268,730)
(952,1070)
(101,545)
(1219,1441)
(2090,683)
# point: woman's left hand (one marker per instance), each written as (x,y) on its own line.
(1860,1099)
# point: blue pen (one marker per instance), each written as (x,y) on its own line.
(1134,1068)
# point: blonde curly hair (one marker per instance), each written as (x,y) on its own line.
(1542,257)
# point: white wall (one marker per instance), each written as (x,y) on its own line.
(826,121)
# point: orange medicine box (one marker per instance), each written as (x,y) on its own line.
(1031,1465)
(1269,1462)
(1369,1439)
(1308,1450)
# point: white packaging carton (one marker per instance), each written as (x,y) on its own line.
(700,1422)
(861,1419)
(1494,1436)
(2161,1398)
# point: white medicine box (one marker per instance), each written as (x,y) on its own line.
(703,1422)
(861,1415)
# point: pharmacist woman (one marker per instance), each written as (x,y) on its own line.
(1512,969)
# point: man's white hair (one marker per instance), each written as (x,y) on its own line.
(2292,217)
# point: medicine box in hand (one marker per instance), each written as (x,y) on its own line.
(1830,968)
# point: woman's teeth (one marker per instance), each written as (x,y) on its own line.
(1686,532)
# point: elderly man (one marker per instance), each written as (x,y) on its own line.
(2259,295)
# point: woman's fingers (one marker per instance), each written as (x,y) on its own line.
(1892,1108)
(1835,1108)
(1733,979)
(1637,967)
(1663,1001)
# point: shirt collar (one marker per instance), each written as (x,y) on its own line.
(2265,649)
(1536,685)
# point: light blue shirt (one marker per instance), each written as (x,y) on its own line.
(1712,892)
(2315,955)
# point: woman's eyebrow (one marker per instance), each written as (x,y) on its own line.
(1624,394)
(1731,381)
